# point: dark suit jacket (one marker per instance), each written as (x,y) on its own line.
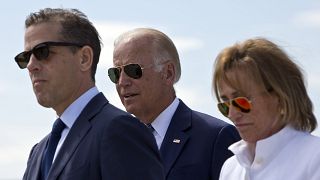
(104,143)
(196,145)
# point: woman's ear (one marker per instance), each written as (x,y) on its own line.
(86,58)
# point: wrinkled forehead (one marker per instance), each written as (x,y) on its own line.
(132,51)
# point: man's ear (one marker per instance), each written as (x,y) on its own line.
(86,58)
(169,72)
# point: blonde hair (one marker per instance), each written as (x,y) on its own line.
(271,67)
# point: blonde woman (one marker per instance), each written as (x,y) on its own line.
(261,90)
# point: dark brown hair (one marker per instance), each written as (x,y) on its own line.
(76,28)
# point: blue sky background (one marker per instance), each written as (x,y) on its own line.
(199,28)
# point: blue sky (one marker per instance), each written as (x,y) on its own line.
(199,28)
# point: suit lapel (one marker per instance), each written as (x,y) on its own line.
(176,136)
(34,172)
(78,131)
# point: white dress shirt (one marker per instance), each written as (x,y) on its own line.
(161,123)
(286,155)
(70,115)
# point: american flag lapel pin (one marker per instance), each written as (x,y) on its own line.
(177,141)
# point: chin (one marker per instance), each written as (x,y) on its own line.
(129,109)
(44,104)
(249,139)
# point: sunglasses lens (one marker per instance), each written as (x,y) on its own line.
(133,70)
(242,103)
(223,108)
(41,52)
(114,74)
(22,59)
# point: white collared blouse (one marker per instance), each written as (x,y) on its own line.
(286,155)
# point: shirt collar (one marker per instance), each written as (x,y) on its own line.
(266,149)
(161,123)
(70,115)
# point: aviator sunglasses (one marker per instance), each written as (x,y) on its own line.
(40,51)
(132,70)
(241,103)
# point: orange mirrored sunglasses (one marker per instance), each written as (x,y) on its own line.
(241,103)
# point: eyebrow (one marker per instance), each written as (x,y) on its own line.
(233,95)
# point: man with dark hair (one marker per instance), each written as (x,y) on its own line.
(91,139)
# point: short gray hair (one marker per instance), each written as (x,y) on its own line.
(163,47)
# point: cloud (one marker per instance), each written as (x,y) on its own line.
(184,44)
(109,31)
(308,19)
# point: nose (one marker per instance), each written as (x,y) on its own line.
(33,64)
(124,79)
(233,112)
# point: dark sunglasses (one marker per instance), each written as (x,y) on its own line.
(40,51)
(241,103)
(132,70)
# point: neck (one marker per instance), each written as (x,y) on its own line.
(81,90)
(149,117)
